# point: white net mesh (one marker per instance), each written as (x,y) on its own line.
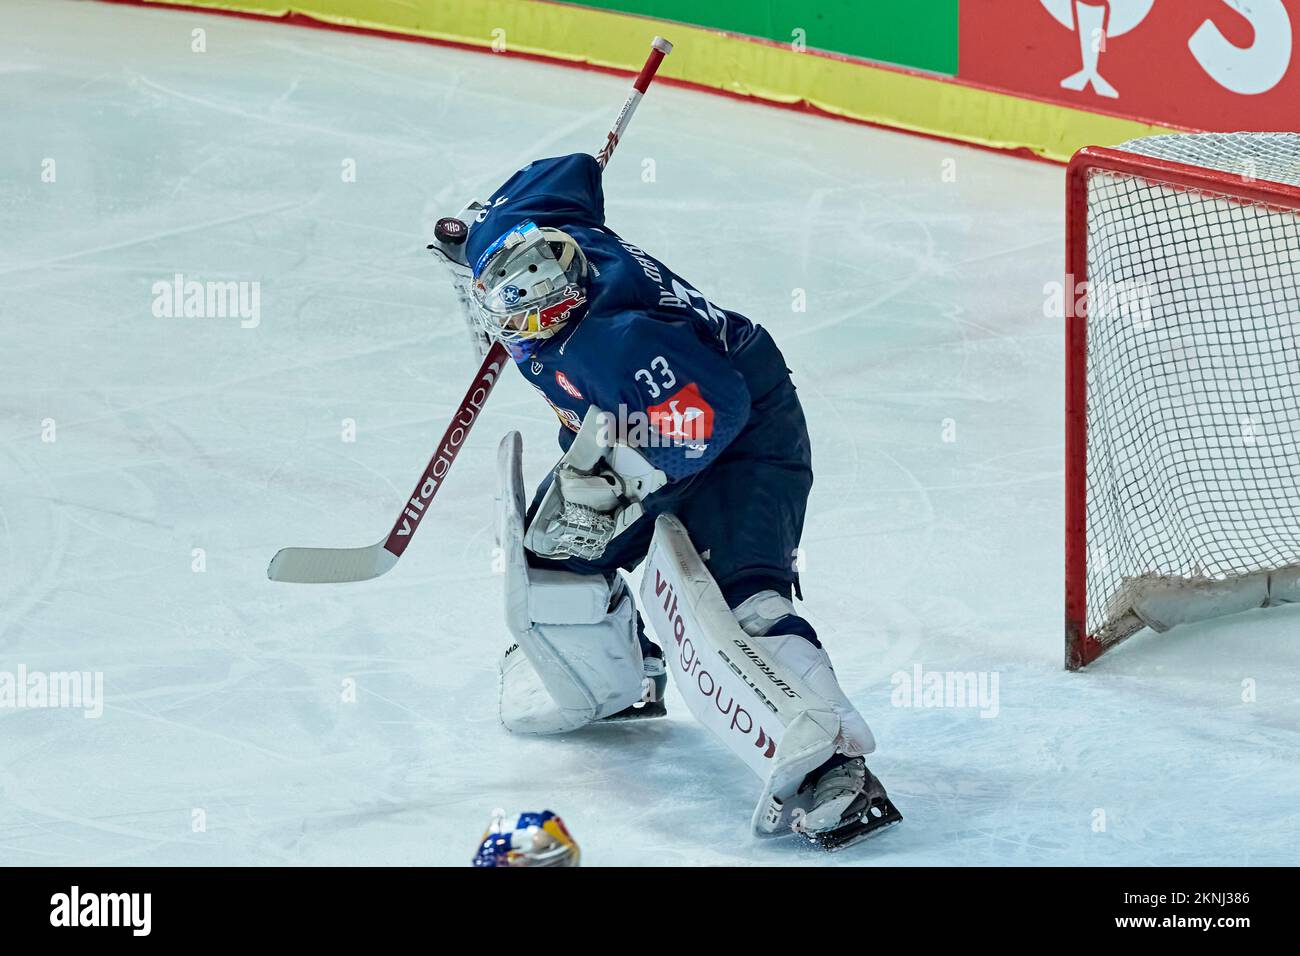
(1193,374)
(1274,157)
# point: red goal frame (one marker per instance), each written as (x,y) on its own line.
(1081,648)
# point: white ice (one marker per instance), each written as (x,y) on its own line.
(225,736)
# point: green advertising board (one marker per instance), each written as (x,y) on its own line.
(920,34)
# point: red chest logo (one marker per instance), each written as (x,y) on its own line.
(564,383)
(683,416)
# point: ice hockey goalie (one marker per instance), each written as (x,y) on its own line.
(683,440)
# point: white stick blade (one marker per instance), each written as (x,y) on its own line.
(330,565)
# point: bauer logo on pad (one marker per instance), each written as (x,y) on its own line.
(683,416)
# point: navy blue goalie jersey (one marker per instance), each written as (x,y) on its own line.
(650,349)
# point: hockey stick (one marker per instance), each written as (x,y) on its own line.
(659,48)
(336,565)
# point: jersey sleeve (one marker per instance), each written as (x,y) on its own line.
(565,190)
(681,399)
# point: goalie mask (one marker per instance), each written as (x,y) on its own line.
(529,283)
(527,839)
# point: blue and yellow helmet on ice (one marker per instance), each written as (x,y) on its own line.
(529,839)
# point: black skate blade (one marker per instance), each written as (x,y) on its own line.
(646,711)
(879,816)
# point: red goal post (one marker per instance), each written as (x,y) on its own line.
(1182,383)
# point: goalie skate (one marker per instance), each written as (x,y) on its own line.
(651,703)
(846,804)
(836,806)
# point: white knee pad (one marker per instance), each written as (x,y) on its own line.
(758,616)
(759,612)
(577,658)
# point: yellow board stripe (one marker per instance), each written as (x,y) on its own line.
(840,86)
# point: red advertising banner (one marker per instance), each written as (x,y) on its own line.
(1199,64)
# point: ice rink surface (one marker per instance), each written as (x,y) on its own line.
(226,737)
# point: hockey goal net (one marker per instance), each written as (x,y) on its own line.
(1182,383)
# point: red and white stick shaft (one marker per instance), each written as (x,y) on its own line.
(358,564)
(659,49)
(452,442)
(490,371)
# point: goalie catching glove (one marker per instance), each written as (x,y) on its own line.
(448,246)
(595,495)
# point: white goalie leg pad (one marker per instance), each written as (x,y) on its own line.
(762,709)
(578,659)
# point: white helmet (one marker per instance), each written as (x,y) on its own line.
(529,283)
